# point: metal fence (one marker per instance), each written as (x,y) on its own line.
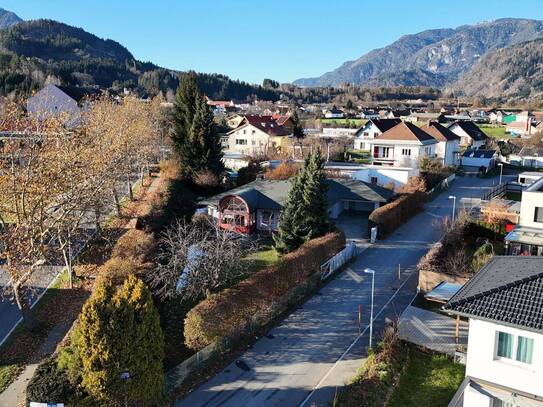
(338,260)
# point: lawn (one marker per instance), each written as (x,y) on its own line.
(264,257)
(497,132)
(343,122)
(428,380)
(359,156)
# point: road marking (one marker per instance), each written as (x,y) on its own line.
(352,344)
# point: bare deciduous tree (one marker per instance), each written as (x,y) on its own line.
(199,258)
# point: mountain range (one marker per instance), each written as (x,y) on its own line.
(435,58)
(39,51)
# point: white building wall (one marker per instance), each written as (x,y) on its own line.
(386,175)
(258,142)
(482,363)
(530,201)
(362,141)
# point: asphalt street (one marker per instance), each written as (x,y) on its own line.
(317,348)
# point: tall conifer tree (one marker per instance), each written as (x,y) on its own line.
(315,198)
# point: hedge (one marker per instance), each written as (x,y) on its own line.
(228,312)
(49,384)
(390,216)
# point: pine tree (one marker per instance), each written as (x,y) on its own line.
(290,235)
(315,198)
(120,332)
(195,138)
(297,129)
(206,145)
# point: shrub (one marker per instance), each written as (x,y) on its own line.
(249,173)
(117,269)
(390,216)
(283,171)
(135,244)
(206,180)
(228,312)
(49,384)
(120,331)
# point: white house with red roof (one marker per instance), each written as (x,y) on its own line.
(402,146)
(258,135)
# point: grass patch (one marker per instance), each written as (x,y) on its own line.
(8,373)
(344,122)
(497,132)
(428,380)
(266,256)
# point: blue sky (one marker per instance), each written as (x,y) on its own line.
(251,40)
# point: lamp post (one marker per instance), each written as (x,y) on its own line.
(372,272)
(501,172)
(454,206)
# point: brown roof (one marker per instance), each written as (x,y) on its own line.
(439,132)
(265,123)
(407,132)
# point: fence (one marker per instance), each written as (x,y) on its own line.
(338,260)
(440,187)
(500,190)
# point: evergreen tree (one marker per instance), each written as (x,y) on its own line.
(315,197)
(195,138)
(290,231)
(297,129)
(120,332)
(305,213)
(206,146)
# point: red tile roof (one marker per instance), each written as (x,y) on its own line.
(406,132)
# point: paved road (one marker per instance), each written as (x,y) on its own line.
(317,348)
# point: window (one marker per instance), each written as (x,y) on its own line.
(244,131)
(253,131)
(406,151)
(374,180)
(501,403)
(525,347)
(538,215)
(241,142)
(517,348)
(505,345)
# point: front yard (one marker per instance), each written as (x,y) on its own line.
(429,380)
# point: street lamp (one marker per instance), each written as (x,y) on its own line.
(501,172)
(372,272)
(454,206)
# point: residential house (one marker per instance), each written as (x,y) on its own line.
(448,143)
(504,361)
(524,128)
(479,159)
(334,113)
(372,129)
(257,205)
(220,106)
(369,114)
(385,176)
(496,116)
(402,146)
(258,135)
(526,239)
(417,117)
(68,101)
(284,120)
(470,134)
(396,114)
(528,156)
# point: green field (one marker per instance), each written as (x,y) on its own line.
(343,122)
(495,131)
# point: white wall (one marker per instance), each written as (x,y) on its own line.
(386,175)
(368,132)
(258,142)
(397,154)
(482,363)
(530,200)
(446,151)
(477,162)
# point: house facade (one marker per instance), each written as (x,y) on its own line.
(526,239)
(257,135)
(334,114)
(504,361)
(402,146)
(470,134)
(370,130)
(257,206)
(448,143)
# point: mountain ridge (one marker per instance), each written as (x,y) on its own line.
(447,53)
(8,18)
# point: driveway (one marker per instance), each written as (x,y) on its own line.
(318,347)
(354,224)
